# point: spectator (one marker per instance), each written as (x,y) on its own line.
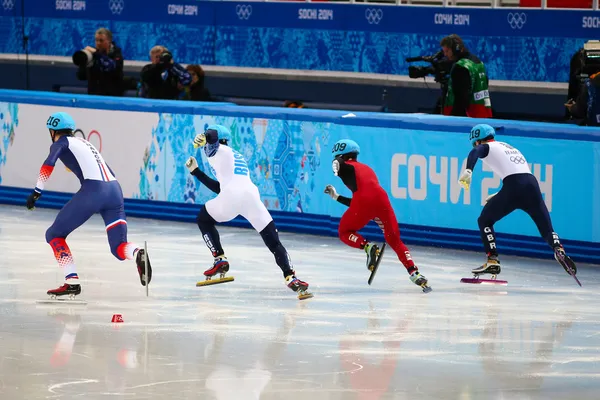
(197,91)
(164,78)
(575,82)
(587,105)
(293,104)
(101,66)
(468,94)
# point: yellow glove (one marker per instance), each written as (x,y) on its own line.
(465,179)
(191,164)
(199,140)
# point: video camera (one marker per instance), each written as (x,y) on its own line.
(590,60)
(439,69)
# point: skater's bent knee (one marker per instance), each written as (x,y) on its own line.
(50,235)
(484,221)
(200,220)
(204,218)
(270,236)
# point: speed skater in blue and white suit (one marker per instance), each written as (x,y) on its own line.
(236,195)
(520,190)
(100,192)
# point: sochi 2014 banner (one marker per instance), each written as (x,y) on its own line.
(514,43)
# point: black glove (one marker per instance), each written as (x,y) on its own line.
(33,197)
(166,58)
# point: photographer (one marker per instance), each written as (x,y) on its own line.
(101,66)
(164,79)
(587,105)
(468,94)
(196,91)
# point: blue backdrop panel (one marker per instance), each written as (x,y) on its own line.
(417,158)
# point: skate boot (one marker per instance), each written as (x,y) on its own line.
(65,290)
(298,286)
(221,267)
(420,280)
(140,261)
(372,251)
(492,266)
(565,261)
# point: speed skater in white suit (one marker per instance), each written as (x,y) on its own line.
(520,190)
(236,195)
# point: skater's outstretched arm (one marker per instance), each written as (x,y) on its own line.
(344,200)
(348,175)
(47,168)
(330,190)
(478,152)
(211,184)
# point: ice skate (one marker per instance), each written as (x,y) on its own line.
(298,286)
(372,251)
(566,262)
(420,280)
(65,290)
(64,294)
(221,267)
(140,261)
(492,266)
(374,256)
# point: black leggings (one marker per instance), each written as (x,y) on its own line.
(519,192)
(269,234)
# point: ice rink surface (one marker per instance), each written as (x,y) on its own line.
(537,338)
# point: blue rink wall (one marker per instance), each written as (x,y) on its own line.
(515,44)
(418,159)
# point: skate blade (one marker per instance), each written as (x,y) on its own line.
(566,264)
(478,281)
(67,301)
(209,282)
(426,288)
(305,295)
(574,277)
(576,280)
(376,266)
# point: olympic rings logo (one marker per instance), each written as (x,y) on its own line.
(516,20)
(98,142)
(517,159)
(8,4)
(243,11)
(374,15)
(116,6)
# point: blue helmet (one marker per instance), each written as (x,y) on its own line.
(223,133)
(59,121)
(345,146)
(480,132)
